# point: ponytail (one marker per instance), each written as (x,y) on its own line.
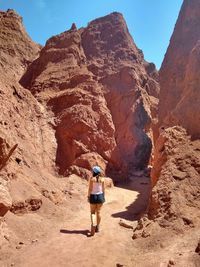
(97,178)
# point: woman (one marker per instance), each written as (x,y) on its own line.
(96,198)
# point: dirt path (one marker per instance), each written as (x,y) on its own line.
(69,245)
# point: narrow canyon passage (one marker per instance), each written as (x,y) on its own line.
(67,243)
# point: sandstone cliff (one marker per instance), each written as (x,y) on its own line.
(27,141)
(28,179)
(179,74)
(174,202)
(103,94)
(179,103)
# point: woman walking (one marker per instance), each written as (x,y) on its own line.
(96,198)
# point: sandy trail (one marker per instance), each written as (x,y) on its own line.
(68,243)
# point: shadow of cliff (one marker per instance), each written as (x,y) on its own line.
(139,206)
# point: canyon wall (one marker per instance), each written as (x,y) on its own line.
(179,73)
(173,216)
(180,98)
(171,223)
(27,139)
(103,94)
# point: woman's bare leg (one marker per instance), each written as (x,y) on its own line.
(98,214)
(93,208)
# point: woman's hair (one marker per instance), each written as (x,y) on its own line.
(96,177)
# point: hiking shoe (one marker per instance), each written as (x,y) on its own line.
(93,228)
(97,229)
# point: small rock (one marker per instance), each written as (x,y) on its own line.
(125,224)
(21,243)
(135,236)
(34,240)
(6,237)
(18,247)
(179,175)
(187,221)
(197,250)
(145,234)
(162,245)
(171,262)
(12,264)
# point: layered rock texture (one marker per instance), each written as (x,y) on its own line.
(179,74)
(103,94)
(177,148)
(26,139)
(174,202)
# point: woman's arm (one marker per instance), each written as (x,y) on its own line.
(103,186)
(90,187)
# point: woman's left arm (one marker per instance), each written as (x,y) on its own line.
(103,186)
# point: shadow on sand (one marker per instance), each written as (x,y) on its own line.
(78,232)
(136,209)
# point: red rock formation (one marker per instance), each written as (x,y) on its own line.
(27,140)
(174,203)
(17,49)
(176,170)
(179,105)
(179,74)
(101,90)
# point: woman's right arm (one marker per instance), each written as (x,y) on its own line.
(89,188)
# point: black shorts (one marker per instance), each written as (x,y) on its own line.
(97,198)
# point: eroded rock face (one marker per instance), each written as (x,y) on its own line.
(102,92)
(27,141)
(176,156)
(176,170)
(179,74)
(17,49)
(174,203)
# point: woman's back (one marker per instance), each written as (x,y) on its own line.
(97,187)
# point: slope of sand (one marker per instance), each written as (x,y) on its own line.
(68,242)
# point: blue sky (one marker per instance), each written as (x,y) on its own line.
(150,22)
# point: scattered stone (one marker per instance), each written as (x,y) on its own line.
(135,236)
(171,263)
(6,237)
(21,207)
(34,240)
(125,224)
(145,234)
(197,250)
(179,175)
(187,221)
